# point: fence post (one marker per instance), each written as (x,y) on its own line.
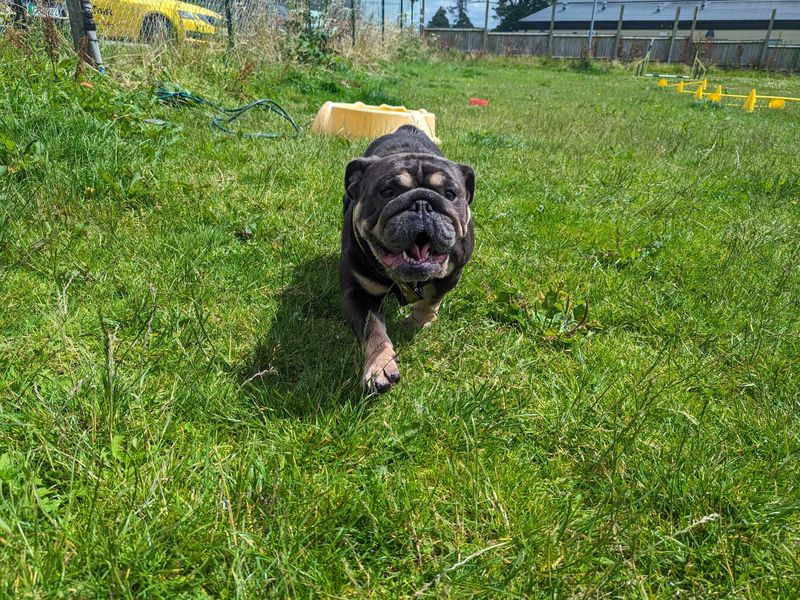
(84,32)
(353,23)
(383,18)
(674,34)
(402,16)
(765,48)
(486,28)
(229,19)
(421,16)
(615,50)
(552,27)
(694,24)
(20,16)
(75,23)
(591,27)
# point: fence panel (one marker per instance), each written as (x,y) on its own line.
(628,49)
(517,44)
(465,40)
(568,46)
(731,54)
(784,58)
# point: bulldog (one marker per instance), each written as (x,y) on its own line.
(408,232)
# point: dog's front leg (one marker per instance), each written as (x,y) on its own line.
(425,311)
(363,311)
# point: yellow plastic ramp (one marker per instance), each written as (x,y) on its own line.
(359,120)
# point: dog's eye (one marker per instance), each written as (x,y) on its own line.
(450,194)
(387,192)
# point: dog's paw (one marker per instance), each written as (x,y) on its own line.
(380,370)
(420,318)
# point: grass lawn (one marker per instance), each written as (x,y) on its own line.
(180,413)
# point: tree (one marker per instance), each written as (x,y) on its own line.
(509,12)
(459,11)
(439,19)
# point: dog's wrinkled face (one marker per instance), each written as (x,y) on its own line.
(411,209)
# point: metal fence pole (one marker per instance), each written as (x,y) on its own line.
(20,18)
(618,37)
(591,27)
(383,18)
(402,16)
(75,23)
(486,28)
(765,48)
(229,19)
(674,34)
(84,32)
(552,28)
(421,16)
(353,23)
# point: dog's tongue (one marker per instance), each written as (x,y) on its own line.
(420,253)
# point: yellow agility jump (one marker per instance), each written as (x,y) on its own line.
(750,100)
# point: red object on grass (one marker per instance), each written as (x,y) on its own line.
(478,102)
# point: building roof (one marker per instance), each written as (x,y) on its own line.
(721,14)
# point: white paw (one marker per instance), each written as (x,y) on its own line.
(381,371)
(420,318)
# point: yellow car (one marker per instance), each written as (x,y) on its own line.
(154,21)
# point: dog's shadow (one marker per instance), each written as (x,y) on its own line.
(308,358)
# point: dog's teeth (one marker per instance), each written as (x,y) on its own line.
(405,255)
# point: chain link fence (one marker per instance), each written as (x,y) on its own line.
(154,22)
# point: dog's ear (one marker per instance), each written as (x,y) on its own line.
(354,172)
(469,181)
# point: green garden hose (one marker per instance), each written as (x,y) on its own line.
(225,116)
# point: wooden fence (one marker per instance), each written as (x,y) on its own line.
(757,53)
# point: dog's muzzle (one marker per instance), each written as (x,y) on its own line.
(415,235)
(417,222)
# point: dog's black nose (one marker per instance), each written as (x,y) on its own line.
(422,206)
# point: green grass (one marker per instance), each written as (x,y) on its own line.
(179,405)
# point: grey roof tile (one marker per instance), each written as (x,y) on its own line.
(652,12)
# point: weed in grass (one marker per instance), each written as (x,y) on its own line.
(706,105)
(624,254)
(553,317)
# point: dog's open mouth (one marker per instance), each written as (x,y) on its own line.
(418,254)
